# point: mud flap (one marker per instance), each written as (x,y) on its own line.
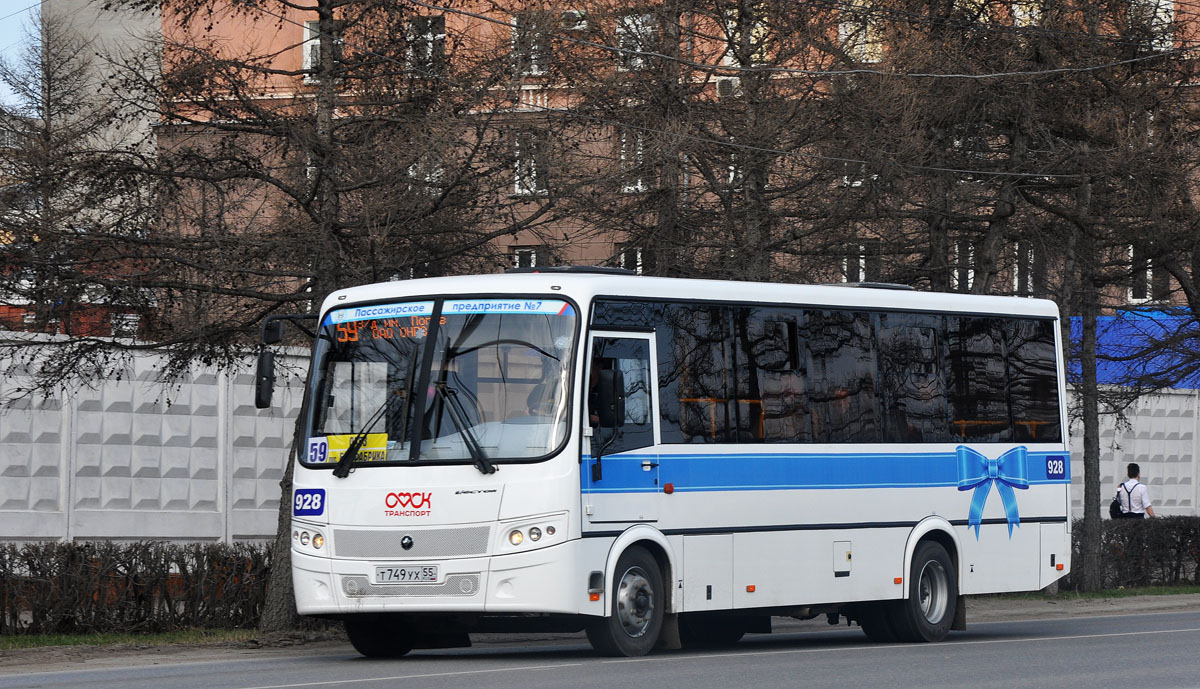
(668,636)
(960,615)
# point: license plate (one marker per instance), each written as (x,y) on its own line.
(406,574)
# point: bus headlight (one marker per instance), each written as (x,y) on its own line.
(318,540)
(531,533)
(304,538)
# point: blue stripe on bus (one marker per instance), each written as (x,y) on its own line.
(623,473)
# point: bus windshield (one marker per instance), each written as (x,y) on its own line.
(473,380)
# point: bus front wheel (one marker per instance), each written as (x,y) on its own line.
(637,607)
(379,637)
(928,612)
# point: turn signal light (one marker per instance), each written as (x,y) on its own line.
(516,537)
(1059,567)
(750,588)
(593,597)
(898,580)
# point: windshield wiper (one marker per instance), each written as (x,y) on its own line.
(459,417)
(346,461)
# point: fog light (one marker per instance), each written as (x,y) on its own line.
(318,541)
(303,538)
(516,537)
(535,534)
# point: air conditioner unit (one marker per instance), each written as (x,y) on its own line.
(729,87)
(573,20)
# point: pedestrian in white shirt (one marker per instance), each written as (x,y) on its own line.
(1135,501)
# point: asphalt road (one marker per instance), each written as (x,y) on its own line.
(1158,650)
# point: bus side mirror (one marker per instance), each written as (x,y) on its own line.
(610,389)
(272,331)
(264,378)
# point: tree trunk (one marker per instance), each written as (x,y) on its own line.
(1091,566)
(279,608)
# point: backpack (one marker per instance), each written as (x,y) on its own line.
(1114,507)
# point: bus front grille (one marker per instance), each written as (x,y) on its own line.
(383,544)
(455,585)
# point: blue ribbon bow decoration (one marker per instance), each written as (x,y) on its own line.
(1008,471)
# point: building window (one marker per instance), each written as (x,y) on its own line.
(529,166)
(636,36)
(633,158)
(1029,270)
(426,54)
(530,46)
(311,60)
(311,168)
(638,259)
(962,265)
(1026,13)
(863,262)
(10,138)
(573,20)
(529,256)
(426,174)
(860,33)
(1149,280)
(735,172)
(125,324)
(1150,22)
(746,35)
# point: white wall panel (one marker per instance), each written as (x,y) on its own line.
(1159,433)
(127,458)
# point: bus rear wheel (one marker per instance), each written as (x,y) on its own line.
(379,637)
(637,608)
(875,620)
(928,612)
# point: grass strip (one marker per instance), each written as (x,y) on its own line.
(1107,593)
(186,636)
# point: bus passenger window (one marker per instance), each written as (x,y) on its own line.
(841,377)
(771,400)
(911,380)
(1033,382)
(693,372)
(978,381)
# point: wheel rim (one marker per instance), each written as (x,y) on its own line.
(635,602)
(933,588)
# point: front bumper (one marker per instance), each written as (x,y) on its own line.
(553,579)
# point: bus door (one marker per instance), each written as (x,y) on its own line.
(620,467)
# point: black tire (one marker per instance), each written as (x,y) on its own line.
(928,612)
(637,608)
(876,623)
(709,631)
(379,637)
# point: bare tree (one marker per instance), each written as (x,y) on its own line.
(393,147)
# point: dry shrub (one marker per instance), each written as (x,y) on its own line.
(104,586)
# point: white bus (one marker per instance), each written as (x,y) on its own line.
(664,461)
